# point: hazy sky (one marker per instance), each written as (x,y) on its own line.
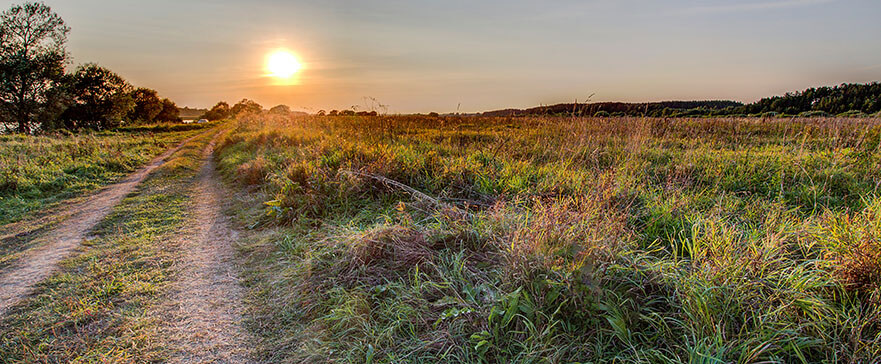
(419,56)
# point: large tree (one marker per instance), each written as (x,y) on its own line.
(280,110)
(100,98)
(246,106)
(220,111)
(147,105)
(32,59)
(169,112)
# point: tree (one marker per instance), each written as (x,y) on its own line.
(280,110)
(220,111)
(169,112)
(246,106)
(32,59)
(100,98)
(147,105)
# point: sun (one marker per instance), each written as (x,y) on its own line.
(282,64)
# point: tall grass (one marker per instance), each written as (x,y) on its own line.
(562,240)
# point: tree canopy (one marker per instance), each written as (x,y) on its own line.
(37,95)
(101,99)
(246,106)
(219,111)
(147,105)
(32,59)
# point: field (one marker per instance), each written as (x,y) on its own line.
(38,172)
(424,239)
(104,304)
(390,239)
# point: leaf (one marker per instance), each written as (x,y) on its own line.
(552,295)
(370,354)
(273,203)
(512,308)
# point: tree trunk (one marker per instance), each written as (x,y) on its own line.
(23,127)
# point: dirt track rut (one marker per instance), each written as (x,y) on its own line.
(39,262)
(206,303)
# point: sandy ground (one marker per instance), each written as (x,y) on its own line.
(206,308)
(39,262)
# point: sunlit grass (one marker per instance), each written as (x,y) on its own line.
(102,304)
(558,240)
(37,172)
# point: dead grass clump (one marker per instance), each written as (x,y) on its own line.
(860,269)
(252,172)
(568,232)
(385,252)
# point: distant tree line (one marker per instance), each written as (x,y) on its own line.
(222,110)
(665,108)
(844,100)
(848,98)
(36,94)
(349,113)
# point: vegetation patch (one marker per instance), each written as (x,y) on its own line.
(99,307)
(407,239)
(38,172)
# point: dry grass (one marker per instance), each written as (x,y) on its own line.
(418,239)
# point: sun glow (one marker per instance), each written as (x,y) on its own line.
(282,64)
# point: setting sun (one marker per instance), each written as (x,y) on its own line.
(282,64)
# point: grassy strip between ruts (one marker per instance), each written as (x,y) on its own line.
(99,306)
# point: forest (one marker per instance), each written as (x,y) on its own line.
(849,99)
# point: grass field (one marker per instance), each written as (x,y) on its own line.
(38,172)
(419,239)
(103,304)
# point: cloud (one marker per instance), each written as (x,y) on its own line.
(753,6)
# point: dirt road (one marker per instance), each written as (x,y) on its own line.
(39,262)
(206,305)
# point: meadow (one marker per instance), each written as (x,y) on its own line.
(105,304)
(425,239)
(39,172)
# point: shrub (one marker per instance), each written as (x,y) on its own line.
(813,114)
(385,252)
(853,114)
(252,172)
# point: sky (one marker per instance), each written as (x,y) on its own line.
(444,56)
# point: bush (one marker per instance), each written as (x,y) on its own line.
(813,114)
(252,172)
(853,114)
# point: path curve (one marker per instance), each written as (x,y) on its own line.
(39,262)
(206,301)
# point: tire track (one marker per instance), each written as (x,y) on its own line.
(36,264)
(206,302)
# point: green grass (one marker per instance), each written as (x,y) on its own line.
(561,240)
(166,127)
(102,305)
(38,172)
